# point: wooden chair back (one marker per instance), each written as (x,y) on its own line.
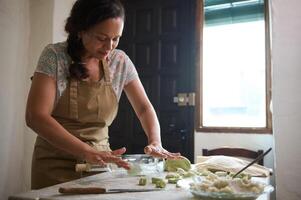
(234,152)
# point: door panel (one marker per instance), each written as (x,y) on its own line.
(158,37)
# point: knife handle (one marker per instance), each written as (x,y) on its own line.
(87,190)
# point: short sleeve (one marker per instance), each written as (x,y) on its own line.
(131,72)
(47,63)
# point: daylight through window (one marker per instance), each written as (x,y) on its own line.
(234,66)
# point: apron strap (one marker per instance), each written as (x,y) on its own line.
(106,71)
(73,99)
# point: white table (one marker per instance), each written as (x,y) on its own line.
(113,180)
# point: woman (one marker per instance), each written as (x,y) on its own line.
(75,92)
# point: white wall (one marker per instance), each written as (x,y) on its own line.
(14,36)
(61,12)
(286,57)
(26,26)
(41,12)
(47,20)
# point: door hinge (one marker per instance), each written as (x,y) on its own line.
(185,99)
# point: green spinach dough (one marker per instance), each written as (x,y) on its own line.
(171,165)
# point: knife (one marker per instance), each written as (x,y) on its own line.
(100,190)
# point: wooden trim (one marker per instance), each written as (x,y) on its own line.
(268,66)
(234,130)
(199,57)
(199,72)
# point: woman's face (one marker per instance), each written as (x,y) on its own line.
(102,38)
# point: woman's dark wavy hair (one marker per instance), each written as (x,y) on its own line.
(84,15)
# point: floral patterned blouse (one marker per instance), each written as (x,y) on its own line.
(54,62)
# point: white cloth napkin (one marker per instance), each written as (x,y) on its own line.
(230,164)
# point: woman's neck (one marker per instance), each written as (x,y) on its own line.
(94,70)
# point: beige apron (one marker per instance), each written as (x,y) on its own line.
(85,110)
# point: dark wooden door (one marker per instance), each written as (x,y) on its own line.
(159,39)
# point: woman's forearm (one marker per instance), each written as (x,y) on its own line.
(150,125)
(144,111)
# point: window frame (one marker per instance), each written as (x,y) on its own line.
(199,66)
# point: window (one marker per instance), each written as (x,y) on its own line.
(234,79)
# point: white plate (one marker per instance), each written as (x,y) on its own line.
(228,196)
(185,183)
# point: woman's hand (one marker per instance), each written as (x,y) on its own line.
(157,150)
(104,157)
